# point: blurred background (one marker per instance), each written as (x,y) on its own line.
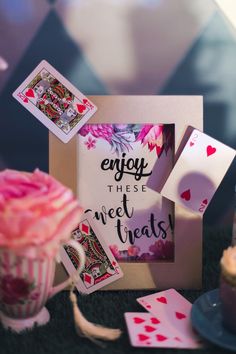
(167,47)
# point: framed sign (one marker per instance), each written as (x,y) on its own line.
(117,165)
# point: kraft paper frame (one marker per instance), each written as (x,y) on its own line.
(182,111)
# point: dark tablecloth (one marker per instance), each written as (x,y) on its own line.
(107,308)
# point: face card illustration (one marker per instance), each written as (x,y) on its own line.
(198,172)
(101,267)
(173,311)
(146,330)
(54,101)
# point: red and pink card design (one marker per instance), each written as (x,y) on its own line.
(54,101)
(167,323)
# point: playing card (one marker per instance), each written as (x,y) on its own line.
(54,101)
(101,267)
(173,312)
(145,330)
(198,172)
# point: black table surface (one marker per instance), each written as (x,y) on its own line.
(108,308)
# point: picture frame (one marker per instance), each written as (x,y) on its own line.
(185,271)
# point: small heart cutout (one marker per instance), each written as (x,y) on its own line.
(180,315)
(138,320)
(149,328)
(162,299)
(205,201)
(160,338)
(81,108)
(191,143)
(186,195)
(210,150)
(142,337)
(155,320)
(30,93)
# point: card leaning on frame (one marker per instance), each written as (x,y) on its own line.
(116,165)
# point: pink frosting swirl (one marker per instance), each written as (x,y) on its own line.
(37,213)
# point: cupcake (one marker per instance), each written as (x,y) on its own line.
(228,288)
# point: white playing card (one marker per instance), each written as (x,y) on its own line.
(145,330)
(173,310)
(198,172)
(54,101)
(101,267)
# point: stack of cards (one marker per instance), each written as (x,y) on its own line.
(167,325)
(54,101)
(101,267)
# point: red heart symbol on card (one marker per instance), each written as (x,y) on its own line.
(25,100)
(85,100)
(191,143)
(142,337)
(210,150)
(81,108)
(180,315)
(162,299)
(155,320)
(149,328)
(30,93)
(160,338)
(158,150)
(148,306)
(205,201)
(186,195)
(138,320)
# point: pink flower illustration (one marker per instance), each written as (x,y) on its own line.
(90,143)
(133,251)
(152,135)
(104,131)
(119,136)
(115,251)
(163,250)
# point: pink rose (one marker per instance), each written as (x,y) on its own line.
(37,213)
